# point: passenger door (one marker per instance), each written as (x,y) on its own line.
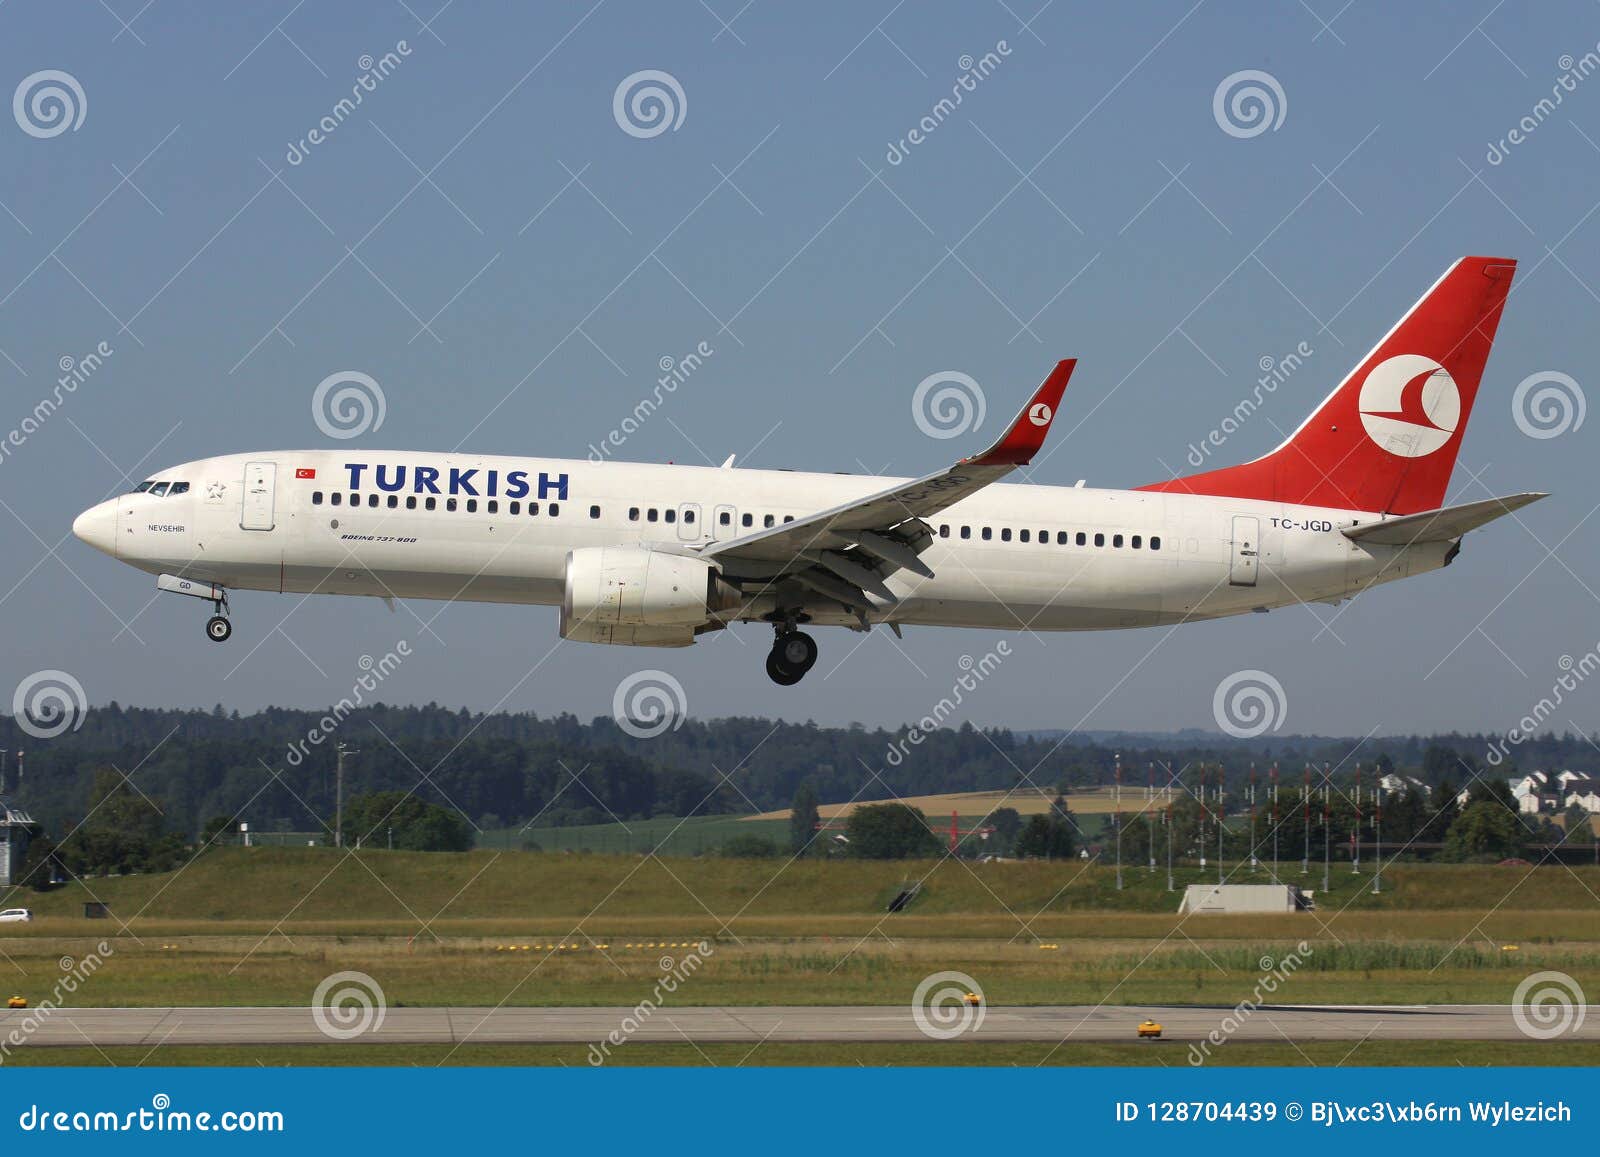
(260,483)
(1246,556)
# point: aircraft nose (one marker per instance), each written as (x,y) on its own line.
(97,526)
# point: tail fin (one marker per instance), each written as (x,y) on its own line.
(1386,439)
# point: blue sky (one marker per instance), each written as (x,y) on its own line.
(484,239)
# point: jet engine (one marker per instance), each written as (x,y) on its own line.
(641,597)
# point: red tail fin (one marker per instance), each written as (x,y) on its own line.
(1387,438)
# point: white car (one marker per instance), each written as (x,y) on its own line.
(16,916)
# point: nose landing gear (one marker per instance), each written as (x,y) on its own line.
(218,628)
(793,654)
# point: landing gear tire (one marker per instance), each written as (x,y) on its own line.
(796,650)
(218,629)
(781,675)
(793,654)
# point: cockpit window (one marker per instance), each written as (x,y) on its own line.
(178,488)
(159,490)
(143,486)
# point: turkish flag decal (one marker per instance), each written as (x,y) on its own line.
(305,472)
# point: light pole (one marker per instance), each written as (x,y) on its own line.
(340,750)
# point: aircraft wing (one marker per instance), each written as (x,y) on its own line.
(1437,525)
(847,551)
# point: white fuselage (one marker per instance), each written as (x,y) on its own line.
(263,522)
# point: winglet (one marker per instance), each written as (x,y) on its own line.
(1024,437)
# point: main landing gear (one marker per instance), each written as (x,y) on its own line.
(793,654)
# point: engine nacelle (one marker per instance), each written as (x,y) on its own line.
(641,597)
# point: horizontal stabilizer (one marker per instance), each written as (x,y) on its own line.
(1437,525)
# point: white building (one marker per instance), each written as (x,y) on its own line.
(15,829)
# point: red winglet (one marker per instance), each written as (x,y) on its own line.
(1023,439)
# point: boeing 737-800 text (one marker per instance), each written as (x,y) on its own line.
(658,555)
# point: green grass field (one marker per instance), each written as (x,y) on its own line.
(264,926)
(665,836)
(955,1052)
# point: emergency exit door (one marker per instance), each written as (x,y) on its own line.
(1246,550)
(260,481)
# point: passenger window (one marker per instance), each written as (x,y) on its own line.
(449,503)
(159,490)
(1061,538)
(514,508)
(316,498)
(1005,534)
(748,520)
(411,501)
(430,502)
(987,534)
(472,506)
(533,508)
(767,520)
(966,532)
(669,515)
(1155,542)
(944,530)
(492,506)
(1081,538)
(555,509)
(372,500)
(1116,540)
(688,516)
(633,514)
(178,488)
(652,515)
(788,518)
(1022,536)
(1138,541)
(394,502)
(724,519)
(594,512)
(1099,540)
(335,498)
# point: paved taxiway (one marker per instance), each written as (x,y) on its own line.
(148,1027)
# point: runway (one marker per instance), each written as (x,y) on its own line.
(149,1027)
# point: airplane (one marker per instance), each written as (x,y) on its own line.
(659,555)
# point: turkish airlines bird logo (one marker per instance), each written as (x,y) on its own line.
(1039,414)
(1410,405)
